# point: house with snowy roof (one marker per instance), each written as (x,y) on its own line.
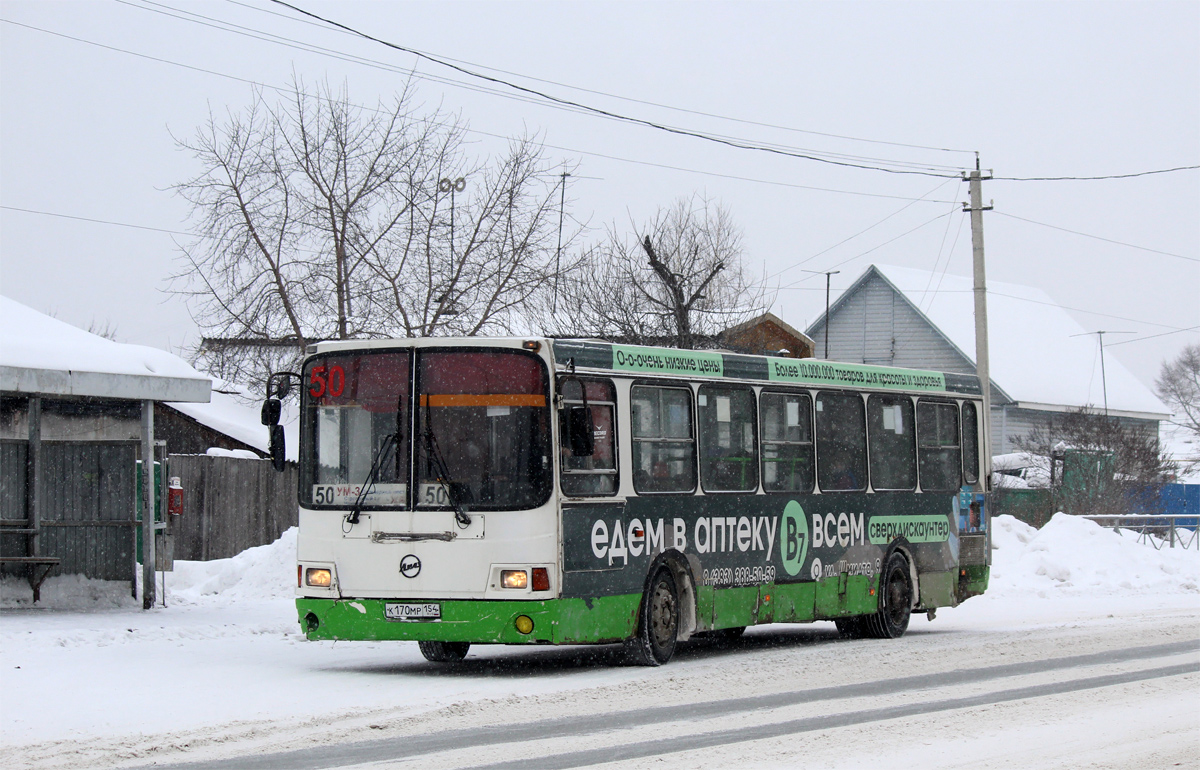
(1042,361)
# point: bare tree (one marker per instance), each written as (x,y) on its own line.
(1179,387)
(1116,465)
(678,281)
(317,218)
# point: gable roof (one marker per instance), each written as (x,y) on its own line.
(1039,354)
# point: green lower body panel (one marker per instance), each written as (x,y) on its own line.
(973,581)
(556,621)
(613,618)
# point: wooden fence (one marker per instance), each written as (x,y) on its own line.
(87,498)
(230,504)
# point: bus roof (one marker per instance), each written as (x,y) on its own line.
(717,365)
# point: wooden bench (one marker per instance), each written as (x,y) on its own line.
(44,563)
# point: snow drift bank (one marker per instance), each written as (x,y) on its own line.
(1069,557)
(1074,556)
(263,573)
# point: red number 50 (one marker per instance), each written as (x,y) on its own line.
(318,383)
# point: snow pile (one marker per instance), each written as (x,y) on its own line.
(1075,556)
(263,572)
(67,592)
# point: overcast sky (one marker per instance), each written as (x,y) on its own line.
(92,93)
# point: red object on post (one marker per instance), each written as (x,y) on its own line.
(174,497)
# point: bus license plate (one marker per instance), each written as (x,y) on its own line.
(412,611)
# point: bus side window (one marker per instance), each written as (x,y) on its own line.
(841,442)
(787,442)
(938,450)
(970,443)
(664,447)
(893,447)
(596,474)
(728,444)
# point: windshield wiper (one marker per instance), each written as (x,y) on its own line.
(390,440)
(434,453)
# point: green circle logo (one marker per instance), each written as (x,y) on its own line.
(793,539)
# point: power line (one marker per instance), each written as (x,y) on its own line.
(630,99)
(1097,237)
(97,221)
(1174,330)
(257,34)
(1081,310)
(879,246)
(1092,178)
(806,260)
(1153,336)
(281,90)
(737,144)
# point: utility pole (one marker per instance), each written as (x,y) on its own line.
(147,472)
(976,208)
(562,204)
(1103,376)
(827,274)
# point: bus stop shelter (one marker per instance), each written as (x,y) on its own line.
(71,405)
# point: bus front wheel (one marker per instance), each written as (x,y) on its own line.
(658,622)
(444,652)
(895,601)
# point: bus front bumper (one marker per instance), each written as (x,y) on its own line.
(556,621)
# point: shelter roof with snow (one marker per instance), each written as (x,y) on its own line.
(1042,360)
(40,355)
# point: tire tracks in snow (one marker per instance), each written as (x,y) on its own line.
(413,747)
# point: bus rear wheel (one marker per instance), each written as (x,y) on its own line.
(444,652)
(658,622)
(895,600)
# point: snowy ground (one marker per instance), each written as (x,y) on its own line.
(222,672)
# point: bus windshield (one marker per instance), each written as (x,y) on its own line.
(482,430)
(483,426)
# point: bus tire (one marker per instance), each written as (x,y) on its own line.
(444,652)
(895,600)
(658,622)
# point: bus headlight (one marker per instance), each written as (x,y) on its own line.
(514,578)
(321,578)
(524,624)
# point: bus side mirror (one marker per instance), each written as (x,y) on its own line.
(272,408)
(580,432)
(278,447)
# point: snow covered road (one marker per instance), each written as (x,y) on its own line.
(1058,666)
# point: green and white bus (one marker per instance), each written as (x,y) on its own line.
(515,491)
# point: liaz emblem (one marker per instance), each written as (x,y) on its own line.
(410,566)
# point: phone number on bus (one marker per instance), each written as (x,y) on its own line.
(739,576)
